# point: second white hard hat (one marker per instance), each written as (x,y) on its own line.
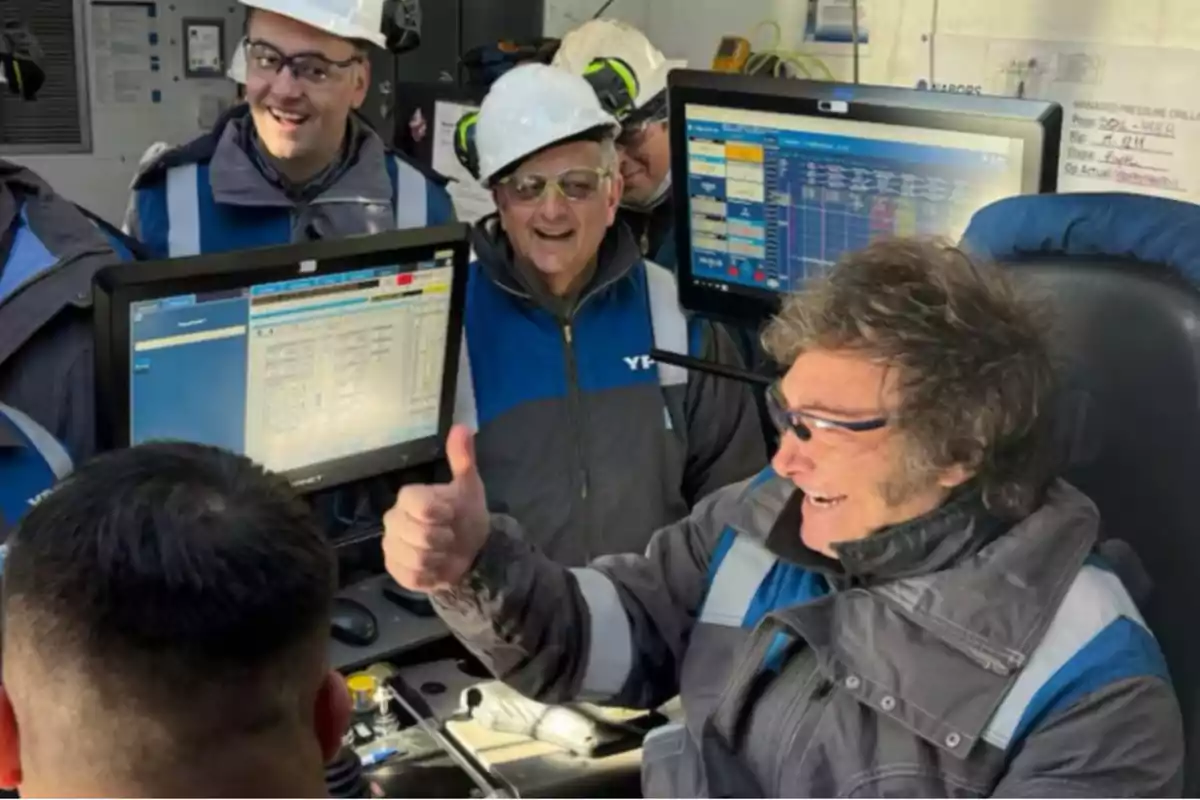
(612,38)
(531,107)
(349,19)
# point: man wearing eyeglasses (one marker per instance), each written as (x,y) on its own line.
(293,163)
(582,436)
(629,75)
(908,603)
(639,101)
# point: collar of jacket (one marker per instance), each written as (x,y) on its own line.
(9,207)
(237,179)
(65,232)
(16,175)
(957,572)
(16,179)
(617,256)
(907,641)
(58,223)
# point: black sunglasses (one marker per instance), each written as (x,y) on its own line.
(802,423)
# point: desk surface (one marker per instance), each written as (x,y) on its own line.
(538,769)
(532,768)
(399,629)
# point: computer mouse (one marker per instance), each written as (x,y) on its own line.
(353,623)
(413,602)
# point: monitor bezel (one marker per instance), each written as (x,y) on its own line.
(117,287)
(1038,124)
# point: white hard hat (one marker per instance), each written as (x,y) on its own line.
(531,107)
(612,38)
(349,19)
(237,63)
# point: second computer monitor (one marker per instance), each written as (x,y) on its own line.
(775,179)
(325,363)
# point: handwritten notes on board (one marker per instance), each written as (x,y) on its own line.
(1131,115)
(1133,146)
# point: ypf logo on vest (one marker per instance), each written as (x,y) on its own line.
(645,363)
(639,363)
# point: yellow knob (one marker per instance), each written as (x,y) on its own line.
(362,682)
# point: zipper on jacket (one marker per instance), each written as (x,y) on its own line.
(575,408)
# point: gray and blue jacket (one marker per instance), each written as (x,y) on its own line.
(581,435)
(218,194)
(955,655)
(212,195)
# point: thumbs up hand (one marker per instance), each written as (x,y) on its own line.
(433,533)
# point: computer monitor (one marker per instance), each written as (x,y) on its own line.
(325,362)
(774,178)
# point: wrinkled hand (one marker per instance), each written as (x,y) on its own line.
(433,533)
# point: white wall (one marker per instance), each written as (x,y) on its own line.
(899,51)
(563,15)
(121,132)
(1129,65)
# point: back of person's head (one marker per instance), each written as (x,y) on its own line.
(166,617)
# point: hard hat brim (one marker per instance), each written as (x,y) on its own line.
(596,133)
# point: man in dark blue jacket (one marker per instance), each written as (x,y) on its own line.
(582,436)
(49,251)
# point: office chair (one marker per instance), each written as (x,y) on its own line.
(1128,334)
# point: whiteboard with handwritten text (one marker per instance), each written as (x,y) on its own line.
(1131,114)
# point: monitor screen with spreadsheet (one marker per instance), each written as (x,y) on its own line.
(324,362)
(775,179)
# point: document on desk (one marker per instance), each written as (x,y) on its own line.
(1131,115)
(471,201)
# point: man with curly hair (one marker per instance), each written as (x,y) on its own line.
(907,603)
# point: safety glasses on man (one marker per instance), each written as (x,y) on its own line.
(578,184)
(302,82)
(264,60)
(803,423)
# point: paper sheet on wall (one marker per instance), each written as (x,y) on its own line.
(471,201)
(1131,115)
(124,51)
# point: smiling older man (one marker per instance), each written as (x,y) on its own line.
(582,436)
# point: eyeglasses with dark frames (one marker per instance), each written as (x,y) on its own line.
(803,423)
(314,68)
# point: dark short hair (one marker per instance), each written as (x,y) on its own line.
(976,380)
(168,566)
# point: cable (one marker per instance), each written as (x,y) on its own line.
(854,34)
(603,8)
(798,60)
(932,39)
